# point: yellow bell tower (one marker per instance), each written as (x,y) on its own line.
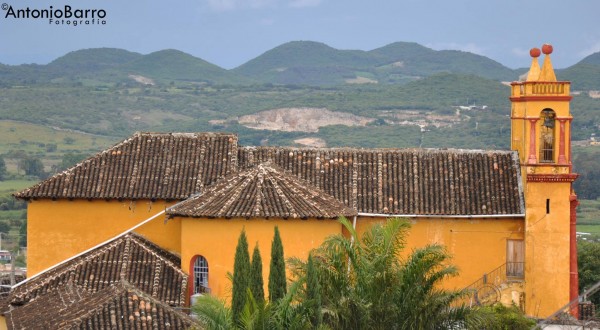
(541,133)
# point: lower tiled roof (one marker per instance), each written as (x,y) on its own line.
(118,306)
(262,191)
(130,258)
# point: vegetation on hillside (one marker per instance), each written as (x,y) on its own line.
(313,63)
(584,76)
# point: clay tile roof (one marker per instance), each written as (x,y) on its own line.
(408,182)
(405,181)
(118,306)
(130,257)
(262,191)
(145,166)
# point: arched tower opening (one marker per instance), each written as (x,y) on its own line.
(547,137)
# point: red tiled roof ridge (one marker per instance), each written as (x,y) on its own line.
(67,310)
(22,290)
(126,286)
(376,150)
(251,182)
(123,287)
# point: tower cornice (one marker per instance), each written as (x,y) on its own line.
(567,177)
(541,98)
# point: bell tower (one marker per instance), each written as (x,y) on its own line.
(541,133)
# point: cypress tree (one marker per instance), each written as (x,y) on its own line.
(256,279)
(313,294)
(277,284)
(241,277)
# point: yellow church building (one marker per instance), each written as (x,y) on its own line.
(507,217)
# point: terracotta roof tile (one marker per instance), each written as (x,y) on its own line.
(146,166)
(262,191)
(405,181)
(118,306)
(388,181)
(130,257)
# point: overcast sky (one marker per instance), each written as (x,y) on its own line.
(231,32)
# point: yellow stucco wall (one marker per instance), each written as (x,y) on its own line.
(216,240)
(547,247)
(3,325)
(60,229)
(477,246)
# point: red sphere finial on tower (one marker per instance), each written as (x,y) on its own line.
(547,49)
(535,52)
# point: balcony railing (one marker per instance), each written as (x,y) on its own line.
(489,284)
(541,88)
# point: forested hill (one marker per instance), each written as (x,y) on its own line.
(293,63)
(102,66)
(307,62)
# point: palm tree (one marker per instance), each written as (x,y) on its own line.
(212,313)
(364,283)
(367,284)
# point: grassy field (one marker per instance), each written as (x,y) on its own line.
(10,186)
(12,212)
(588,216)
(47,143)
(592,229)
(6,189)
(30,137)
(588,212)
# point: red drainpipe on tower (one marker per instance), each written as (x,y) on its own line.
(574,287)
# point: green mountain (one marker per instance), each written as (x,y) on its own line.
(109,65)
(313,63)
(398,51)
(307,62)
(173,65)
(412,59)
(585,75)
(294,63)
(92,60)
(592,59)
(24,74)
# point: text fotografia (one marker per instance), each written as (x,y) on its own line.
(64,15)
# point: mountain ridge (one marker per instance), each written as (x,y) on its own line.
(293,63)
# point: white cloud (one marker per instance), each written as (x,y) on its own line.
(468,47)
(304,3)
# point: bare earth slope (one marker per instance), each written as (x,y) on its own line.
(300,119)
